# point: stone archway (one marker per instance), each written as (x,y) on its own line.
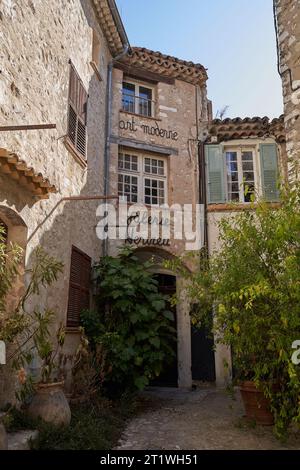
(15,232)
(15,226)
(158,256)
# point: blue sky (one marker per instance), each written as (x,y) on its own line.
(233,39)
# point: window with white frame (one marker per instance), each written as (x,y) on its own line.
(237,173)
(241,174)
(138,99)
(142,178)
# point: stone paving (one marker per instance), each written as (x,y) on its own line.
(203,419)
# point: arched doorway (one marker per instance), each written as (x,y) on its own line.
(14,225)
(169,374)
(15,232)
(179,373)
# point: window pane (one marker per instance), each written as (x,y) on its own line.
(145,101)
(235,187)
(247,166)
(129,88)
(154,166)
(128,97)
(121,161)
(128,187)
(145,93)
(247,156)
(128,162)
(153,195)
(235,197)
(231,156)
(248,176)
(234,177)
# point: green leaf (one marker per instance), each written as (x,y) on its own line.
(155,342)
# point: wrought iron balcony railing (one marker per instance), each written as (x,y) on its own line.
(138,105)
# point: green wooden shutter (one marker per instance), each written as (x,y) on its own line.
(269,171)
(215,174)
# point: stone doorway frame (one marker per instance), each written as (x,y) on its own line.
(184,354)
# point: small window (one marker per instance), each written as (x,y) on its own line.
(137,99)
(78,98)
(79,288)
(242,172)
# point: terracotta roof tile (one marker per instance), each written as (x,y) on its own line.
(12,166)
(166,65)
(241,128)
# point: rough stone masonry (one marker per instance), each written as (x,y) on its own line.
(288,37)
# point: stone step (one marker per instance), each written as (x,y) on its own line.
(21,440)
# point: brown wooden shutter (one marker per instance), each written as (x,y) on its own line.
(78,99)
(79,289)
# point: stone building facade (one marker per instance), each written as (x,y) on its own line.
(98,123)
(159,106)
(287,20)
(54,62)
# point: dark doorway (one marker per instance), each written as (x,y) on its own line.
(169,375)
(203,358)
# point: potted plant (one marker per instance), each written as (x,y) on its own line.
(27,333)
(49,401)
(248,293)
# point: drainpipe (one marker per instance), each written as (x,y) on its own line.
(202,174)
(202,190)
(108,122)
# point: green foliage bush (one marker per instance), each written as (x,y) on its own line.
(132,323)
(27,331)
(252,284)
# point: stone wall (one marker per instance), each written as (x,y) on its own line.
(37,40)
(288,19)
(178,109)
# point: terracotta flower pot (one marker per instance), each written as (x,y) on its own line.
(50,404)
(257,406)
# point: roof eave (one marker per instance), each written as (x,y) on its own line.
(111,25)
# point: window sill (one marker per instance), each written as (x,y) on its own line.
(96,70)
(70,147)
(247,206)
(141,116)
